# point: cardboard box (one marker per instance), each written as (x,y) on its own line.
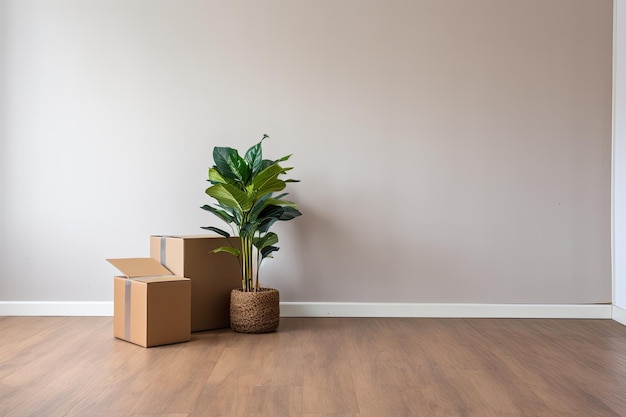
(151,307)
(213,275)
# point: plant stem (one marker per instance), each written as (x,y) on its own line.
(258,264)
(243,266)
(246,258)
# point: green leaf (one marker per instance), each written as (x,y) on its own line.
(254,156)
(265,163)
(249,228)
(230,196)
(234,213)
(267,201)
(215,177)
(272,214)
(245,200)
(219,213)
(267,251)
(216,230)
(269,239)
(228,249)
(284,158)
(267,180)
(230,164)
(289,213)
(270,187)
(278,202)
(267,174)
(260,204)
(280,213)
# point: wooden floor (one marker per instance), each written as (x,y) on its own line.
(339,367)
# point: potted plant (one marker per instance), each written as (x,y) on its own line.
(244,189)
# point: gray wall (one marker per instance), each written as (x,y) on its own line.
(619,159)
(449,151)
(3,108)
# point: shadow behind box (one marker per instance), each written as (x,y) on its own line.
(213,275)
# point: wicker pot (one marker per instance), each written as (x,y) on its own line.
(254,312)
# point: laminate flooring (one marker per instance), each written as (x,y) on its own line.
(318,367)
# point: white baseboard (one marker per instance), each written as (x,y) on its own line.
(295,309)
(569,311)
(56,308)
(619,315)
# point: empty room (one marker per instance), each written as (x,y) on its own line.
(332,208)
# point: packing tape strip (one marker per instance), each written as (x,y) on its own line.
(163,246)
(127,290)
(163,243)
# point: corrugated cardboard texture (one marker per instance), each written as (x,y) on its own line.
(169,312)
(213,275)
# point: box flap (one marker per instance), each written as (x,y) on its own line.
(139,267)
(205,236)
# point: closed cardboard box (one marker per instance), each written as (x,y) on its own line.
(213,275)
(151,306)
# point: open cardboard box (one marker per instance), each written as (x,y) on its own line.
(152,307)
(213,275)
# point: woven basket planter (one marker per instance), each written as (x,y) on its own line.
(254,312)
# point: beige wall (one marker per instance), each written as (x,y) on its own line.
(449,151)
